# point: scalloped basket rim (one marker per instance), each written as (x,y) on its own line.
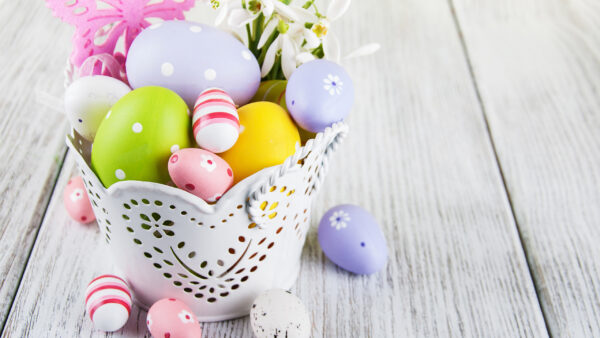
(249,183)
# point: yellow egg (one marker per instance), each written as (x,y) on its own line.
(267,137)
(274,91)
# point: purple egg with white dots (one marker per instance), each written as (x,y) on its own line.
(351,238)
(318,94)
(190,57)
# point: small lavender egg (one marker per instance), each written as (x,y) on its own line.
(190,57)
(318,94)
(350,237)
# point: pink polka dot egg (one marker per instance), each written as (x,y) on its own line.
(170,317)
(77,201)
(108,302)
(215,121)
(201,173)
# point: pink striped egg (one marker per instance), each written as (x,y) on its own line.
(108,302)
(215,121)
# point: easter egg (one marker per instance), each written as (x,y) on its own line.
(77,201)
(190,57)
(278,313)
(271,91)
(108,302)
(138,136)
(88,99)
(201,173)
(350,237)
(170,317)
(215,123)
(267,137)
(274,91)
(318,94)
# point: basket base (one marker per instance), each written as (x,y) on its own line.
(287,284)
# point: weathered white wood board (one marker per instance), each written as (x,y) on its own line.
(32,48)
(418,156)
(537,65)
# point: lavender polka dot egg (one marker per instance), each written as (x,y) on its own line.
(350,237)
(190,57)
(318,94)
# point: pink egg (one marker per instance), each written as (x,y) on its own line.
(171,318)
(108,302)
(201,173)
(216,121)
(77,202)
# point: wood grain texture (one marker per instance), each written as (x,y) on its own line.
(537,66)
(31,142)
(418,156)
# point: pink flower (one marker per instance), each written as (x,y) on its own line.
(122,18)
(186,317)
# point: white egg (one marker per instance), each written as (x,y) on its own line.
(278,313)
(88,101)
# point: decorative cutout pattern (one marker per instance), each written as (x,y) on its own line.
(216,258)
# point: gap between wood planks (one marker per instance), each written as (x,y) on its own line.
(463,45)
(53,183)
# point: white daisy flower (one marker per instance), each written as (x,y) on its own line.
(338,219)
(208,163)
(284,43)
(333,84)
(186,317)
(76,195)
(149,322)
(331,44)
(239,16)
(284,35)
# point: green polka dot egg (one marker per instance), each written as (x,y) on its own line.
(139,134)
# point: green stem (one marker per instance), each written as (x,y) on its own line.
(263,51)
(308,4)
(254,36)
(316,10)
(318,52)
(272,75)
(248,32)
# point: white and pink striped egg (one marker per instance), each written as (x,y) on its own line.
(108,302)
(201,173)
(216,123)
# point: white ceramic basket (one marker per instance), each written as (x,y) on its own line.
(216,258)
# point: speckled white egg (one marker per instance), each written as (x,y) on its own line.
(278,313)
(88,100)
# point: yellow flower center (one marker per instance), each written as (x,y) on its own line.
(320,30)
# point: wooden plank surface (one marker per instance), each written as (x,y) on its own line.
(32,48)
(537,65)
(418,156)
